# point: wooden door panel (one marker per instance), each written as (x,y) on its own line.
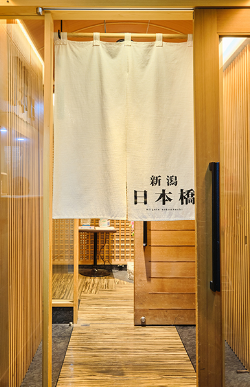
(171,253)
(165,273)
(165,317)
(173,269)
(172,226)
(167,285)
(163,301)
(171,238)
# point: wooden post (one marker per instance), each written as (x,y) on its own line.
(5,272)
(76,260)
(139,267)
(47,200)
(210,348)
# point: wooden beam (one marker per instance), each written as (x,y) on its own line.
(207,149)
(233,22)
(62,303)
(18,11)
(47,200)
(122,15)
(128,4)
(30,12)
(76,260)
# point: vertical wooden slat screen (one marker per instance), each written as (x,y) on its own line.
(21,121)
(118,250)
(235,272)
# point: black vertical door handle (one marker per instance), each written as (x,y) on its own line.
(215,283)
(145,234)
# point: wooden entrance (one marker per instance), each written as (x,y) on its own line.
(209,25)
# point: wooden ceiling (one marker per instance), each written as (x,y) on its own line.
(36,28)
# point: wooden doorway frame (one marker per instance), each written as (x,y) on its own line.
(209,26)
(48,129)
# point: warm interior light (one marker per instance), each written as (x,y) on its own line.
(230,45)
(30,41)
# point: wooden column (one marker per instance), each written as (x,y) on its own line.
(210,347)
(76,260)
(47,200)
(4,221)
(140,268)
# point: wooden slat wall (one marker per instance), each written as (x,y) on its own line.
(165,274)
(236,281)
(119,248)
(21,222)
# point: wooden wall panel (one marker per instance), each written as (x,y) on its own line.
(21,134)
(165,273)
(236,266)
(210,346)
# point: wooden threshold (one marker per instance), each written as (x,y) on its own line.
(62,303)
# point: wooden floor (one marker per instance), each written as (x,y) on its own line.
(106,349)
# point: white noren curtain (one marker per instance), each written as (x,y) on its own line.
(123,131)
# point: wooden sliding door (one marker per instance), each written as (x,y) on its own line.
(165,274)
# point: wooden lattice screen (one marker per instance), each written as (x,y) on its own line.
(119,247)
(63,241)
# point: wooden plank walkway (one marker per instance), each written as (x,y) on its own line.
(106,349)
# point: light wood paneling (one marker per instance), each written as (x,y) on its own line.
(165,273)
(169,316)
(105,348)
(174,269)
(233,21)
(170,285)
(235,268)
(171,253)
(207,142)
(172,226)
(165,301)
(171,238)
(47,200)
(21,135)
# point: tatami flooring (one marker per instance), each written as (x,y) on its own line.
(106,349)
